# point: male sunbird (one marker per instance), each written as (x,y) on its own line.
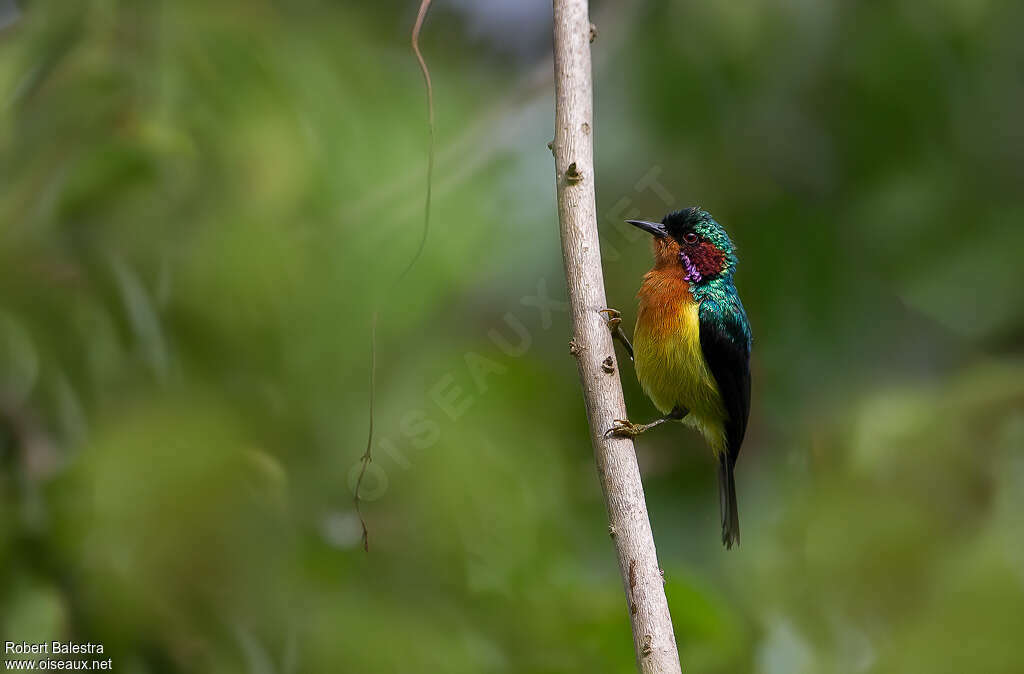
(692,341)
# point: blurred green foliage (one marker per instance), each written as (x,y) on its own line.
(204,201)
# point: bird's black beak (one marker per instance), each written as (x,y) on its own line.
(654,228)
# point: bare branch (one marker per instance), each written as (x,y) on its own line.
(617,467)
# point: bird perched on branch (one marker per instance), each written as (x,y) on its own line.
(692,340)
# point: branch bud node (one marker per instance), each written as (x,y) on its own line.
(572,174)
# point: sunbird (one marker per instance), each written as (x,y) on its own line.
(692,340)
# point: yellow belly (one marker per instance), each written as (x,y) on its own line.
(671,368)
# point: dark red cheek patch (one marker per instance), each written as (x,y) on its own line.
(707,259)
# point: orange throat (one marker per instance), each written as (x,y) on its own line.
(664,291)
(669,361)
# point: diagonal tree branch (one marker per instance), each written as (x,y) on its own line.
(617,467)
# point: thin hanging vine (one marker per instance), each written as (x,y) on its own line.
(367,456)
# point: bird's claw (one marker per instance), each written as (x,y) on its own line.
(614,318)
(624,428)
(614,321)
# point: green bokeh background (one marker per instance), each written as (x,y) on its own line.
(204,200)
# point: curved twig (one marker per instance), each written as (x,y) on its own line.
(424,6)
(367,456)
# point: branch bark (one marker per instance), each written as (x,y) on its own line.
(617,467)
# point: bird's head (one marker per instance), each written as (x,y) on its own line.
(691,240)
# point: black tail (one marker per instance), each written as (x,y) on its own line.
(727,498)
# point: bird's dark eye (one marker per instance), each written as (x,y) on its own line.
(690,237)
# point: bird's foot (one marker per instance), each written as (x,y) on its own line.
(624,428)
(614,320)
(613,317)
